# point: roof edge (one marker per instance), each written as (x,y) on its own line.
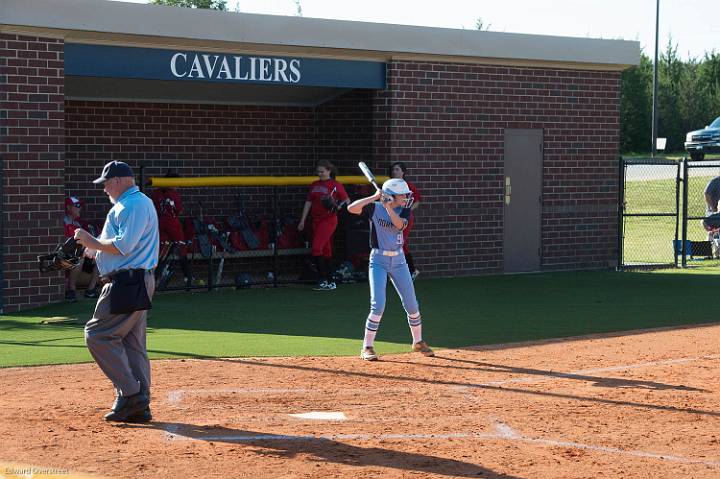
(78,18)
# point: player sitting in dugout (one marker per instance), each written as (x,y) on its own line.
(168,205)
(72,221)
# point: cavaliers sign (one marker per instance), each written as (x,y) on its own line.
(182,65)
(238,68)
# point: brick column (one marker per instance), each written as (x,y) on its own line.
(32,150)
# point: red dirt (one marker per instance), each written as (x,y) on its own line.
(506,411)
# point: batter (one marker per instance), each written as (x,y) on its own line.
(386,210)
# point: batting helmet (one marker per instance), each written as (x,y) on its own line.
(395,186)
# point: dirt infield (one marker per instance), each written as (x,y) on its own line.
(637,405)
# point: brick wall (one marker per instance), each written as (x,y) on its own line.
(32,146)
(344,131)
(194,140)
(447,121)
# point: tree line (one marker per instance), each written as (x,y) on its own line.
(688,99)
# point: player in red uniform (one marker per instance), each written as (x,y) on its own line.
(72,221)
(324,198)
(168,205)
(398,170)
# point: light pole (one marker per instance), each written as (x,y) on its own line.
(655,82)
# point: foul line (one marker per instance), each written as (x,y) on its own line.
(502,432)
(571,375)
(506,432)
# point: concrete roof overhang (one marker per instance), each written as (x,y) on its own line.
(102,22)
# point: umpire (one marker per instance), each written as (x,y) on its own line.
(126,253)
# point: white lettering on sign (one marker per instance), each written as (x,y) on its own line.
(173,64)
(197,68)
(295,69)
(238,69)
(233,67)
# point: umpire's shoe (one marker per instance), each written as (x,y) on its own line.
(128,407)
(142,417)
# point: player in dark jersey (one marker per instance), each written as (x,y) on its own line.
(386,210)
(324,198)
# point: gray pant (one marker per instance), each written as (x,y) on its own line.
(117,343)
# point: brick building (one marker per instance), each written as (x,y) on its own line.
(512,139)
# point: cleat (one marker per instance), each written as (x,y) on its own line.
(141,417)
(415,274)
(129,407)
(331,286)
(422,348)
(322,286)
(368,354)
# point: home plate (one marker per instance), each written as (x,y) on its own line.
(321,416)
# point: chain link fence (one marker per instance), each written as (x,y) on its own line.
(649,219)
(699,245)
(268,250)
(662,207)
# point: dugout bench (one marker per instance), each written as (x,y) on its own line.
(239,181)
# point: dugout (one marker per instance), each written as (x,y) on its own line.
(512,138)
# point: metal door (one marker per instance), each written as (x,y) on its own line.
(522,200)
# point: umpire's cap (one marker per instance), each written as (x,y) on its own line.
(395,186)
(114,169)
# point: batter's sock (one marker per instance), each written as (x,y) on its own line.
(371,328)
(415,323)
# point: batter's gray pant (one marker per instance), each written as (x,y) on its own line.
(117,343)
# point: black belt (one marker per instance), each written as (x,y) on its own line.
(107,278)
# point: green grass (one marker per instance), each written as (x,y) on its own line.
(457,312)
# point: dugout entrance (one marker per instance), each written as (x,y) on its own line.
(227,114)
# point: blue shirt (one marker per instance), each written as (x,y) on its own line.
(383,233)
(132,225)
(713,190)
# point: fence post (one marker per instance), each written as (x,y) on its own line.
(684,211)
(276,235)
(677,212)
(621,213)
(211,273)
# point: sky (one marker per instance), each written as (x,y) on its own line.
(692,25)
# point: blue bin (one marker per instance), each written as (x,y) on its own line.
(678,248)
